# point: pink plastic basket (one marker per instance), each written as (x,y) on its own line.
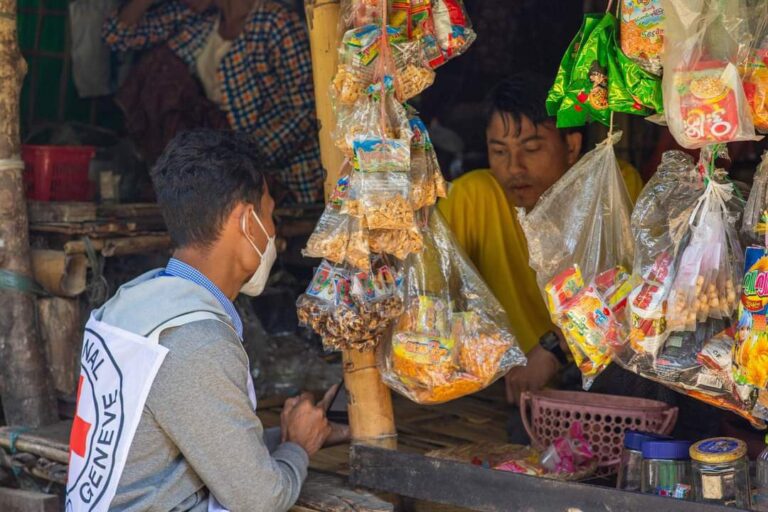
(548,414)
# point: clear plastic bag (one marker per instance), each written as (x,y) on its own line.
(754,226)
(580,246)
(350,309)
(642,33)
(452,27)
(330,238)
(454,337)
(427,182)
(358,13)
(360,54)
(704,99)
(368,119)
(754,69)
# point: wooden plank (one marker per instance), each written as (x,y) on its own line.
(17,500)
(469,486)
(51,442)
(122,246)
(331,493)
(130,211)
(43,211)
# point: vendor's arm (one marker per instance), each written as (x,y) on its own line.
(292,66)
(200,400)
(137,27)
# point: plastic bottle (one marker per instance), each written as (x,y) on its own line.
(760,500)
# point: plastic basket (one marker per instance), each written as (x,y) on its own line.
(548,414)
(58,173)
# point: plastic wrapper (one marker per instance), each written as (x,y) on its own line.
(754,226)
(452,27)
(367,118)
(595,78)
(454,337)
(582,257)
(568,454)
(754,69)
(350,309)
(642,33)
(360,54)
(704,100)
(358,13)
(416,19)
(751,351)
(427,182)
(330,238)
(380,189)
(687,267)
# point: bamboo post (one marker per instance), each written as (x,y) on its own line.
(27,391)
(371,418)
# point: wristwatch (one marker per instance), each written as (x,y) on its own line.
(551,343)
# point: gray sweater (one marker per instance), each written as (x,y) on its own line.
(198,432)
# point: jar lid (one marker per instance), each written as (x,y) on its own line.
(634,439)
(666,450)
(719,450)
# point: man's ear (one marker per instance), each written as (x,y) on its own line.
(573,142)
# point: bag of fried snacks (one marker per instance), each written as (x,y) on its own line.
(453,337)
(416,19)
(704,99)
(359,57)
(642,33)
(582,255)
(452,27)
(367,118)
(330,238)
(427,182)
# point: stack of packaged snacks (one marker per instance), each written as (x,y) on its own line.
(642,33)
(583,257)
(453,337)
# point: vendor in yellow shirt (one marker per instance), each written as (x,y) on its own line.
(527,155)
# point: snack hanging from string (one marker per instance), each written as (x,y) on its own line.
(754,226)
(452,27)
(330,238)
(453,337)
(582,257)
(350,309)
(427,182)
(416,19)
(642,33)
(361,53)
(754,69)
(704,99)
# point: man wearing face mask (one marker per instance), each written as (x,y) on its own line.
(198,445)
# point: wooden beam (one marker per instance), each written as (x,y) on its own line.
(28,397)
(477,488)
(18,500)
(331,493)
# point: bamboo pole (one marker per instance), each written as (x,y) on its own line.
(27,391)
(371,419)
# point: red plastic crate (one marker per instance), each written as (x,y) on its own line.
(58,173)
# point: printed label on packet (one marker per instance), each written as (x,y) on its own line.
(322,286)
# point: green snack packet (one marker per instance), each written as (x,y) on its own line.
(563,77)
(632,89)
(586,97)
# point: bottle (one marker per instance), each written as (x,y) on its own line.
(760,501)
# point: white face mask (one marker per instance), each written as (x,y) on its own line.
(258,280)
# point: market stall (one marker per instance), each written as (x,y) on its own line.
(656,289)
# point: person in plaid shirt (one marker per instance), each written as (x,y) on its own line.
(252,58)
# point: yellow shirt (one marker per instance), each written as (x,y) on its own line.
(486,226)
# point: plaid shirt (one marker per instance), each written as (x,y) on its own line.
(266,80)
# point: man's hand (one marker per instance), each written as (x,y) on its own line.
(542,367)
(340,434)
(303,422)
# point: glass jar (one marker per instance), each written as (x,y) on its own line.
(667,469)
(631,467)
(721,472)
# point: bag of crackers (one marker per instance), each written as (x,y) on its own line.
(427,181)
(642,33)
(453,338)
(754,69)
(704,99)
(583,257)
(359,57)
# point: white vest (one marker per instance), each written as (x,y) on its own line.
(117,370)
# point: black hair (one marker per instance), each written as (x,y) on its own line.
(517,96)
(200,177)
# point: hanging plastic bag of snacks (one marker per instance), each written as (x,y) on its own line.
(415,18)
(754,226)
(349,308)
(452,27)
(754,69)
(330,238)
(427,182)
(704,99)
(642,33)
(454,337)
(358,13)
(360,54)
(368,118)
(582,257)
(632,89)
